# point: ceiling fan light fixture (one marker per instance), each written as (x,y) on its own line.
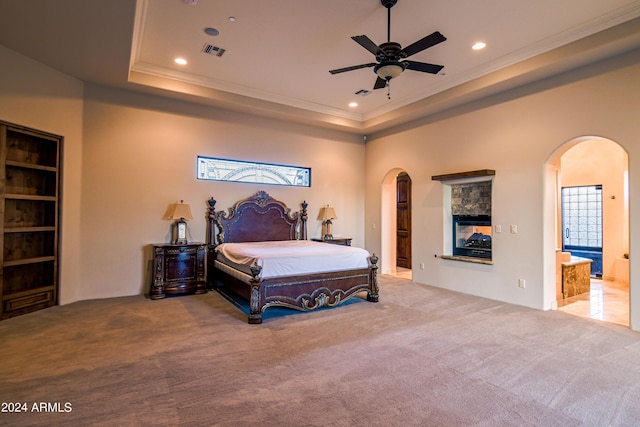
(390,55)
(389,70)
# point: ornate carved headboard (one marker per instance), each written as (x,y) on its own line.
(255,219)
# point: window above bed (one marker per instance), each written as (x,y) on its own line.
(215,169)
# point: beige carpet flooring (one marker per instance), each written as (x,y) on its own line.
(422,356)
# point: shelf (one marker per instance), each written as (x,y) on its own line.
(29,212)
(31,197)
(29,229)
(30,147)
(30,181)
(468,259)
(31,166)
(459,175)
(28,277)
(26,261)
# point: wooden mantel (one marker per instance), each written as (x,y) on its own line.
(470,174)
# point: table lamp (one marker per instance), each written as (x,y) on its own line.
(180,212)
(326,214)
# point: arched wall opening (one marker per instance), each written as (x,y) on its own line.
(587,160)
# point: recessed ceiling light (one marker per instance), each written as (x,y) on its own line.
(232,18)
(181,61)
(353,104)
(479,45)
(210,31)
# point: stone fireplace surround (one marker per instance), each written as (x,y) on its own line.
(472,198)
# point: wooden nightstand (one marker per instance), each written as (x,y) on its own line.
(178,269)
(344,241)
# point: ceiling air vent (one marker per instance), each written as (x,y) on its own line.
(363,92)
(210,49)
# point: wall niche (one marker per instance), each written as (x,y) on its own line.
(467,216)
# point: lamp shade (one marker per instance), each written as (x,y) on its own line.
(327,213)
(180,211)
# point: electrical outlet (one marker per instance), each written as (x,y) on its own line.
(522,283)
(498,228)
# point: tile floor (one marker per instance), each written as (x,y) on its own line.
(404,273)
(607,301)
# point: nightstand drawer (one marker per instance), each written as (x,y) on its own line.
(181,266)
(178,269)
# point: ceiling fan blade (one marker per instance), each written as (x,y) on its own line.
(424,43)
(354,67)
(380,83)
(366,43)
(421,66)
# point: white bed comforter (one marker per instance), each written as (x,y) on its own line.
(291,257)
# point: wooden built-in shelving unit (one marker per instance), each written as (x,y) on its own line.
(29,199)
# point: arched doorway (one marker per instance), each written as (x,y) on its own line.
(395,229)
(591,214)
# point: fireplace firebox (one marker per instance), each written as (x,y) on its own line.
(472,236)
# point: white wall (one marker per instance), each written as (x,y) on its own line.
(39,97)
(140,156)
(515,134)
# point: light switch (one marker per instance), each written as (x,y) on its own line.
(498,228)
(514,229)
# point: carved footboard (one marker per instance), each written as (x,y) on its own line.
(313,291)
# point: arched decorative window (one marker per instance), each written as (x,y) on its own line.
(215,169)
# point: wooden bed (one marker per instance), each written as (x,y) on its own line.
(261,218)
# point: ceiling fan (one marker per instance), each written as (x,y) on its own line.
(391,56)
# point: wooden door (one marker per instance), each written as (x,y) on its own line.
(403,221)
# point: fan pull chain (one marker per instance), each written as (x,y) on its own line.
(389,89)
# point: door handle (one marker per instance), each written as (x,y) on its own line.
(566,233)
